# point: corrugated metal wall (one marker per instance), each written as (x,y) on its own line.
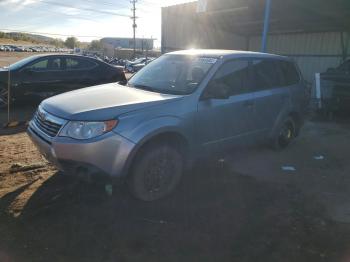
(314,52)
(182,30)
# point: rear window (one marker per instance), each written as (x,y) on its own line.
(291,74)
(78,64)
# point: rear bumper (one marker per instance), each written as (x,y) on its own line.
(106,154)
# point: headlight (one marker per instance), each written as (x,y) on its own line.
(87,130)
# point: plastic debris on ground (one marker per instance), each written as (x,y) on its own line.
(109,189)
(319,157)
(288,168)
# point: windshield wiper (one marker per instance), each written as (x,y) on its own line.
(147,88)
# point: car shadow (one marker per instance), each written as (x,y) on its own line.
(6,200)
(214,214)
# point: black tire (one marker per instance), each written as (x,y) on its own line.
(284,135)
(156,172)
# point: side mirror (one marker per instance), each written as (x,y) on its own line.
(123,82)
(216,90)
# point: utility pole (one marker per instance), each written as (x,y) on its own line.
(134,25)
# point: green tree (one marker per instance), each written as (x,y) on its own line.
(71,42)
(96,45)
(56,42)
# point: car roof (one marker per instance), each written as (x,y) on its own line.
(222,53)
(63,55)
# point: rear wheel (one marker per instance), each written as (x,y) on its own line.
(285,134)
(156,172)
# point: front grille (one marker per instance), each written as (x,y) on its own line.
(45,124)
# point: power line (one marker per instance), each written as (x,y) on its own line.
(82,8)
(44,33)
(60,13)
(107,3)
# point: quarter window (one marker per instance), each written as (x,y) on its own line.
(78,64)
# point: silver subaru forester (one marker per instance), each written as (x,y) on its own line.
(180,107)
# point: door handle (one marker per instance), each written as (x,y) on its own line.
(248,103)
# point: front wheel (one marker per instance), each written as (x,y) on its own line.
(286,132)
(156,172)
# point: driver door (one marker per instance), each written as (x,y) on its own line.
(41,79)
(223,122)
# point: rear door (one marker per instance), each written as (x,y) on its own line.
(79,73)
(224,122)
(270,92)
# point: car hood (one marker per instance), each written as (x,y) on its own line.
(102,102)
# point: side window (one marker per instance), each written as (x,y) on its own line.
(42,65)
(78,64)
(291,74)
(266,74)
(233,75)
(55,64)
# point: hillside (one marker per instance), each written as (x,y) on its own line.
(7,41)
(24,38)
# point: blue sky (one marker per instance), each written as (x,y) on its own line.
(63,17)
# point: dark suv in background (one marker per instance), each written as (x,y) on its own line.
(337,83)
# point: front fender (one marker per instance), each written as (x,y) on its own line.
(149,129)
(153,127)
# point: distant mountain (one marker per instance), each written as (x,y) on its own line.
(32,37)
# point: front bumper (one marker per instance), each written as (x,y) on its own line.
(107,154)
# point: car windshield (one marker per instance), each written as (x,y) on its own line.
(22,62)
(173,74)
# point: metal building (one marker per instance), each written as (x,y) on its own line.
(119,42)
(316,33)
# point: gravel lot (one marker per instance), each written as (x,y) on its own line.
(7,58)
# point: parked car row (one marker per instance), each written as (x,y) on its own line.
(18,48)
(38,77)
(130,66)
(137,64)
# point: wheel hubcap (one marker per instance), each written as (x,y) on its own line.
(158,174)
(286,134)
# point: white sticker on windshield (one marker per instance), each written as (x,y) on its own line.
(207,60)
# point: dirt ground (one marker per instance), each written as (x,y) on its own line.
(241,208)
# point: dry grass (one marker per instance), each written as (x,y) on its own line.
(6,41)
(7,58)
